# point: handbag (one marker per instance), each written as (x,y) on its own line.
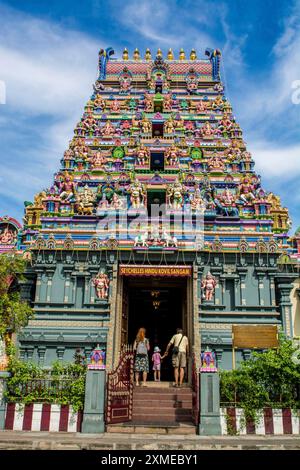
(176,348)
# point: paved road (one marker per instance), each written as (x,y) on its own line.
(119,441)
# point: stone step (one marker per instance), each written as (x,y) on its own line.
(156,404)
(164,392)
(161,411)
(161,420)
(134,428)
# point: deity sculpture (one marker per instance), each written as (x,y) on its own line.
(117,202)
(148,103)
(89,124)
(175,195)
(246,190)
(201,106)
(207,131)
(137,194)
(208,284)
(146,125)
(125,83)
(274,201)
(67,188)
(7,236)
(216,163)
(143,155)
(85,201)
(168,102)
(135,123)
(80,149)
(217,103)
(196,201)
(101,283)
(208,361)
(115,106)
(169,126)
(172,156)
(98,160)
(108,129)
(168,240)
(225,124)
(99,103)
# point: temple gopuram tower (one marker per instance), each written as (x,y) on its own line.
(156,218)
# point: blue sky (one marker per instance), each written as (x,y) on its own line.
(48,62)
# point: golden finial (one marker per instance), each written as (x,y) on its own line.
(136,54)
(170,55)
(181,54)
(125,54)
(148,54)
(159,53)
(193,55)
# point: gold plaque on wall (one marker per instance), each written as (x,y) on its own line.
(254,336)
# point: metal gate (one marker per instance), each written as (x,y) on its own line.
(120,389)
(196,392)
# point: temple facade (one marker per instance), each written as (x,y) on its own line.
(156,218)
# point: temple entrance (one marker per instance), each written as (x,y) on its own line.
(158,305)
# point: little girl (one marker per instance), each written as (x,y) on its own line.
(156,359)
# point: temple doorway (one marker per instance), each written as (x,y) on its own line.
(160,306)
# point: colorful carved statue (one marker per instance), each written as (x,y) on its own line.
(108,129)
(218,103)
(225,124)
(168,102)
(97,359)
(175,195)
(117,202)
(115,106)
(246,190)
(135,123)
(208,285)
(216,163)
(101,283)
(196,201)
(146,125)
(137,194)
(99,103)
(7,237)
(98,160)
(207,131)
(201,106)
(169,126)
(172,156)
(67,188)
(274,201)
(143,155)
(85,201)
(148,103)
(208,361)
(80,149)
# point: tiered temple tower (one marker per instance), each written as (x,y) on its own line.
(156,175)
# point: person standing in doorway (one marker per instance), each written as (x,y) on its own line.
(141,364)
(180,352)
(156,359)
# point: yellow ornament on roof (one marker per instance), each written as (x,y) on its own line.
(181,54)
(193,55)
(125,54)
(170,55)
(136,54)
(148,54)
(159,53)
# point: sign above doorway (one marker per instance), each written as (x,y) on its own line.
(163,271)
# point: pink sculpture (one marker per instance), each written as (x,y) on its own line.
(208,285)
(101,283)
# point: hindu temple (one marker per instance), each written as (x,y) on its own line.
(155,218)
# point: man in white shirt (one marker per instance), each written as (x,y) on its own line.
(181,344)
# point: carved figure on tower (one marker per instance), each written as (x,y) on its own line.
(168,102)
(66,187)
(196,201)
(101,283)
(137,194)
(99,103)
(247,190)
(108,129)
(143,155)
(175,195)
(115,106)
(172,155)
(169,126)
(148,103)
(208,286)
(85,201)
(146,125)
(207,131)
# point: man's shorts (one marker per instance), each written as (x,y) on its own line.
(179,360)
